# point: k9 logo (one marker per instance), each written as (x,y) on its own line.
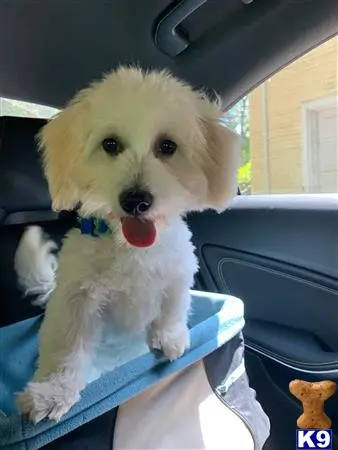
(315,439)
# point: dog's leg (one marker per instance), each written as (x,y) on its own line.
(66,338)
(169,332)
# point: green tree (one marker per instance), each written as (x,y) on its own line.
(18,108)
(237,120)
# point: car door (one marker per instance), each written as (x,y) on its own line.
(276,246)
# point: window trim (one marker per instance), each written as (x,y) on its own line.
(310,150)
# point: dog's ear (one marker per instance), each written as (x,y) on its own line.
(62,143)
(220,161)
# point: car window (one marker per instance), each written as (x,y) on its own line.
(289,126)
(18,108)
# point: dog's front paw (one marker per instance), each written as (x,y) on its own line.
(172,341)
(47,399)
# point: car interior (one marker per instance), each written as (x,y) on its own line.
(279,253)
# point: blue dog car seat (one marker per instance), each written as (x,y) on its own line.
(142,380)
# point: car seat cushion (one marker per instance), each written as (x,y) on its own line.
(215,320)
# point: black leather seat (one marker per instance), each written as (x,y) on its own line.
(24,200)
(22,185)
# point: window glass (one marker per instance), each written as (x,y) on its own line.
(289,126)
(17,108)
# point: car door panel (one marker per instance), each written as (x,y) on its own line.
(270,379)
(277,292)
(280,255)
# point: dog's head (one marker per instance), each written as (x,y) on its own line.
(141,145)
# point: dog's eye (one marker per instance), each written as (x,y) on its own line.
(166,147)
(112,146)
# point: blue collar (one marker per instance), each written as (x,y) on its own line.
(93,226)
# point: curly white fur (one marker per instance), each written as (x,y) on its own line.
(105,280)
(36,264)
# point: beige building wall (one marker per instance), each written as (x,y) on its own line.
(311,77)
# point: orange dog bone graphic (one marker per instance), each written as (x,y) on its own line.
(313,396)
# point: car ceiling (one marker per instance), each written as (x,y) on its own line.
(52,48)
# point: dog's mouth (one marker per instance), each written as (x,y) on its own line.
(139,231)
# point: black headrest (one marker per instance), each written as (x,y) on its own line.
(23,187)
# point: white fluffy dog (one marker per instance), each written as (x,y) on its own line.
(139,150)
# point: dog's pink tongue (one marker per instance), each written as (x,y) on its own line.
(139,232)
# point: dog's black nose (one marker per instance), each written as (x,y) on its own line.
(136,202)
